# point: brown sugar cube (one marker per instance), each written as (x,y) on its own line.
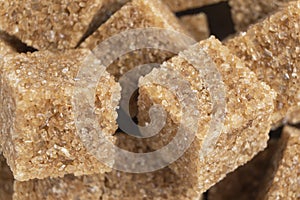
(181,5)
(197,25)
(247,12)
(245,182)
(161,184)
(52,25)
(38,133)
(249,105)
(68,187)
(115,185)
(134,15)
(271,49)
(284,182)
(6,180)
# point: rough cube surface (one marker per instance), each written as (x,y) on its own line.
(38,133)
(134,15)
(247,12)
(52,24)
(68,187)
(249,105)
(284,182)
(197,25)
(271,49)
(181,5)
(245,182)
(115,185)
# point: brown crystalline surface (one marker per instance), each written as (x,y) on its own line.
(284,184)
(6,180)
(245,182)
(52,24)
(249,105)
(197,25)
(181,5)
(115,185)
(161,184)
(38,133)
(271,49)
(68,187)
(247,12)
(134,15)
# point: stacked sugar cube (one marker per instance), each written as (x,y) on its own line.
(43,157)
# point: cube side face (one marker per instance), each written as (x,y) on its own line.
(50,24)
(271,50)
(68,187)
(247,12)
(248,180)
(249,105)
(285,179)
(181,5)
(42,133)
(197,25)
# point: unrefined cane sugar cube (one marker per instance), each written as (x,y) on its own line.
(6,180)
(52,25)
(137,14)
(247,12)
(68,187)
(181,5)
(283,183)
(197,25)
(245,182)
(249,105)
(115,185)
(38,133)
(271,49)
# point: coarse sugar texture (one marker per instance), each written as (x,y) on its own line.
(247,12)
(68,187)
(6,180)
(137,14)
(38,133)
(248,109)
(245,182)
(197,25)
(115,185)
(181,5)
(271,49)
(52,25)
(284,182)
(161,184)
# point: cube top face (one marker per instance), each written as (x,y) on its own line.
(48,24)
(133,15)
(39,136)
(271,49)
